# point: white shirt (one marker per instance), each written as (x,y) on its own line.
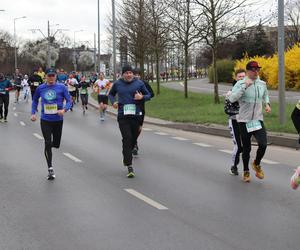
(71,84)
(102,84)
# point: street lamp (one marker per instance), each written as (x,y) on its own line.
(114,39)
(74,52)
(98,58)
(15,40)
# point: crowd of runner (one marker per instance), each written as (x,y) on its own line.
(58,92)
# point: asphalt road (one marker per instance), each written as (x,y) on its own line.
(203,86)
(182,196)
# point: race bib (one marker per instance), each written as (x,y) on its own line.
(103,92)
(253,126)
(50,109)
(36,84)
(83,91)
(2,92)
(129,109)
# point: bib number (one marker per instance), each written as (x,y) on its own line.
(253,126)
(36,84)
(83,91)
(129,109)
(2,92)
(50,109)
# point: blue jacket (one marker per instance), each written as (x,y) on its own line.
(5,86)
(52,97)
(126,91)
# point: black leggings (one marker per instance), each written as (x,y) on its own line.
(236,139)
(4,101)
(84,99)
(296,119)
(261,138)
(52,136)
(129,128)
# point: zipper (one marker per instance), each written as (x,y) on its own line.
(254,103)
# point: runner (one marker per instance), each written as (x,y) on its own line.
(130,93)
(52,96)
(41,73)
(71,83)
(251,92)
(5,87)
(62,77)
(137,74)
(26,88)
(84,94)
(234,128)
(17,79)
(34,81)
(102,87)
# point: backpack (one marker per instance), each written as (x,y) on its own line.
(231,108)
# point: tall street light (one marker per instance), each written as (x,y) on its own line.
(281,62)
(98,58)
(15,40)
(114,39)
(74,50)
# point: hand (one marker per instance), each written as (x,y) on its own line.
(61,112)
(268,108)
(138,96)
(115,105)
(248,82)
(33,118)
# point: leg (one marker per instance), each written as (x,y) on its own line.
(237,142)
(6,104)
(125,128)
(57,132)
(47,134)
(261,138)
(246,142)
(296,119)
(1,106)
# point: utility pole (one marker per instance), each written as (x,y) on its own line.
(95,53)
(98,61)
(114,40)
(281,62)
(15,40)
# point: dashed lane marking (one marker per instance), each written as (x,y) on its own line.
(22,123)
(180,138)
(72,157)
(160,133)
(38,136)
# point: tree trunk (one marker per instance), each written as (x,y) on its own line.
(157,73)
(215,75)
(186,65)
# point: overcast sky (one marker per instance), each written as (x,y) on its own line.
(69,14)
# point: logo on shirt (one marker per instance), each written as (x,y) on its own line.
(50,95)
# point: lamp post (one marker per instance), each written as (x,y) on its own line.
(74,51)
(15,40)
(98,58)
(114,39)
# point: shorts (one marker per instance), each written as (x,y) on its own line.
(141,119)
(103,99)
(72,93)
(18,88)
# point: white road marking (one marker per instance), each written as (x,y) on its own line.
(203,145)
(181,83)
(269,162)
(15,114)
(14,108)
(147,129)
(179,138)
(160,133)
(72,157)
(226,151)
(146,199)
(38,136)
(22,123)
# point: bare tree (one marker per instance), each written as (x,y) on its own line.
(223,19)
(293,17)
(185,28)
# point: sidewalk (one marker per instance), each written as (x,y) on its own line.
(279,139)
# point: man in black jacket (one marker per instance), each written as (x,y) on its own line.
(34,81)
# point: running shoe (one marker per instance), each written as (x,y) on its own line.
(246,176)
(295,180)
(130,172)
(135,151)
(1,119)
(86,107)
(259,172)
(234,171)
(5,119)
(51,175)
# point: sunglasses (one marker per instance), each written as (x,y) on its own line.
(51,75)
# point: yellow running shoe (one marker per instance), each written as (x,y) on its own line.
(259,172)
(246,176)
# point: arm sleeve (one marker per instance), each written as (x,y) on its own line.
(112,94)
(68,99)
(266,96)
(150,90)
(237,91)
(145,92)
(35,101)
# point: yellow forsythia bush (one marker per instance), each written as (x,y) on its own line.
(269,70)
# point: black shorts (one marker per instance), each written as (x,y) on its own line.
(52,132)
(103,99)
(73,93)
(18,88)
(141,119)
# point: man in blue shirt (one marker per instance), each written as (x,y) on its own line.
(131,92)
(5,87)
(52,96)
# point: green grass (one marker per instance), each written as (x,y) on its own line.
(200,108)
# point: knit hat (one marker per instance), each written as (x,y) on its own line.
(126,68)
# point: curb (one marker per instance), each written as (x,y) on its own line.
(284,140)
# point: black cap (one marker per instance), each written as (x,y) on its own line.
(126,68)
(51,71)
(137,71)
(252,65)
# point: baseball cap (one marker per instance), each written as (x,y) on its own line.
(51,71)
(252,64)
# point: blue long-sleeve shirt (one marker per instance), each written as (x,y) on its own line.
(127,106)
(53,97)
(5,86)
